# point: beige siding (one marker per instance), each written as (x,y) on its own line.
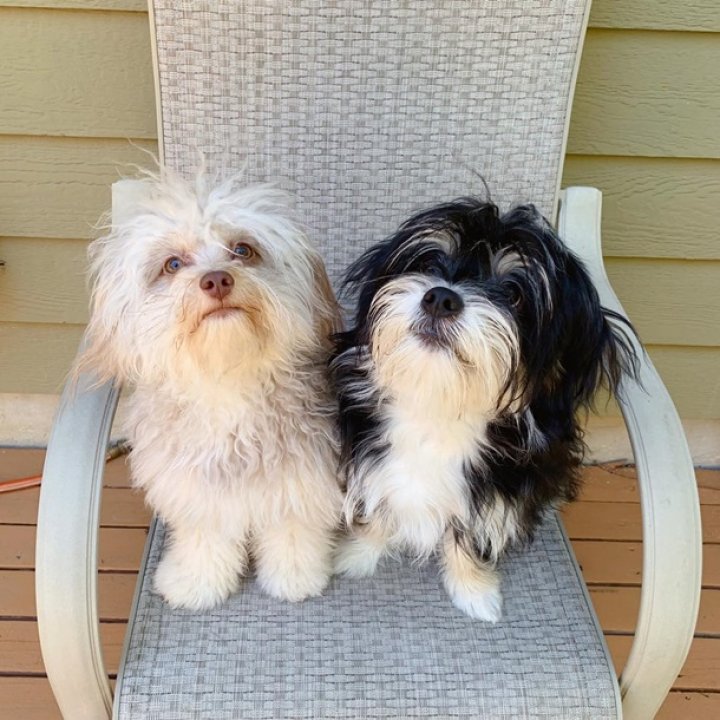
(691,375)
(136,5)
(645,131)
(79,74)
(77,105)
(654,207)
(650,94)
(36,357)
(671,302)
(650,287)
(59,187)
(697,15)
(30,291)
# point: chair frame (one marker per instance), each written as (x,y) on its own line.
(68,519)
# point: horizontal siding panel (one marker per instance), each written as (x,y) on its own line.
(692,376)
(36,358)
(135,5)
(54,270)
(653,207)
(59,187)
(83,74)
(639,93)
(647,93)
(670,302)
(698,15)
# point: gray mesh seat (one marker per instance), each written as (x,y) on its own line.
(390,646)
(367,111)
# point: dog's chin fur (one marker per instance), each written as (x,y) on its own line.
(231,420)
(459,432)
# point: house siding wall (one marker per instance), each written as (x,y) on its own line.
(76,84)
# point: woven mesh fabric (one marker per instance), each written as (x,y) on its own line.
(391,646)
(369,110)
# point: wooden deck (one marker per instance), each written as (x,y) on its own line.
(604,526)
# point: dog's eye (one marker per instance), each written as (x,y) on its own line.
(432,267)
(243,250)
(514,294)
(172,265)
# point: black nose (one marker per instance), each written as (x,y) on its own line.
(442,302)
(217,284)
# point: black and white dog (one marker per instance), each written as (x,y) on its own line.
(477,340)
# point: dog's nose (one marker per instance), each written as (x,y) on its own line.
(217,284)
(442,302)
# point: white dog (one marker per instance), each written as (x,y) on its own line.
(211,301)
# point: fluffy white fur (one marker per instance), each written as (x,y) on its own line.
(437,403)
(231,422)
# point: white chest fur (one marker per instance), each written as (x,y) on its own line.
(243,464)
(419,487)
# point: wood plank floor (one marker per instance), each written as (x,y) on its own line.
(604,526)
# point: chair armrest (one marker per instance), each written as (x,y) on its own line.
(66,558)
(672,539)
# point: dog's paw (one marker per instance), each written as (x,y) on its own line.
(356,558)
(293,583)
(474,588)
(294,560)
(479,603)
(182,588)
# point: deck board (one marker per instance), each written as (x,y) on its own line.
(621,521)
(620,563)
(604,526)
(121,507)
(690,706)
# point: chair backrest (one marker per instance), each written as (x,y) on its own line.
(369,110)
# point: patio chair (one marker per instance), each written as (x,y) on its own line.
(367,111)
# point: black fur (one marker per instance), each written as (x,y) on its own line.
(570,346)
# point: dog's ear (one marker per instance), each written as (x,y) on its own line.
(106,348)
(585,346)
(99,355)
(366,275)
(596,349)
(571,345)
(328,317)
